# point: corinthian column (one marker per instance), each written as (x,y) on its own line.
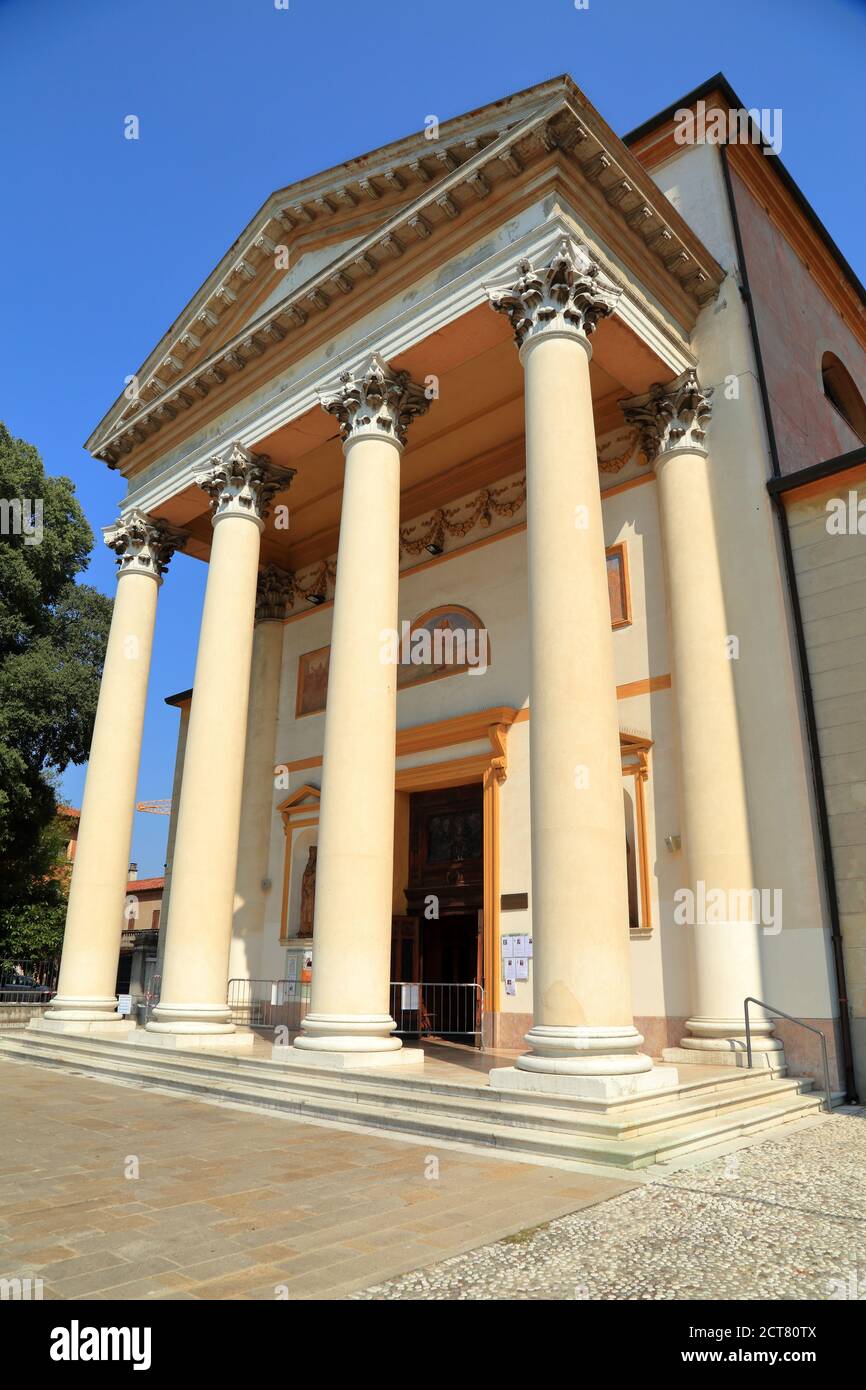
(583,1038)
(349,1020)
(192,1006)
(725,951)
(86,999)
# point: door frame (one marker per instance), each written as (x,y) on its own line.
(490,769)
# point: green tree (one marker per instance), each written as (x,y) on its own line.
(52,645)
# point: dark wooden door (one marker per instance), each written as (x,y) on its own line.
(446,850)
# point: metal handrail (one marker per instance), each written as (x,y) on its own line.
(780,1013)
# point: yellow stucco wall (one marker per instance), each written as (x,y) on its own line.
(831,579)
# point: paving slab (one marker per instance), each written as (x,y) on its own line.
(119,1191)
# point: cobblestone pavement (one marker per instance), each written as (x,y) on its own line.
(783,1218)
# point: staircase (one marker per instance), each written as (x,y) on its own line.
(700,1113)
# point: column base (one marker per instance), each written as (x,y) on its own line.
(191,1020)
(353,1060)
(84,1008)
(348,1033)
(729,1035)
(565,1050)
(109,1025)
(593,1063)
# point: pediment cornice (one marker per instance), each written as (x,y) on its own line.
(424,189)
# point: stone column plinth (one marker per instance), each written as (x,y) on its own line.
(86,999)
(583,1038)
(192,1007)
(719,910)
(349,1022)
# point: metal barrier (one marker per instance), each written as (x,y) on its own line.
(268,1003)
(828,1098)
(28,981)
(420,1010)
(440,1010)
(147,1005)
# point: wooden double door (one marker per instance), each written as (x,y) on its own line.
(440,939)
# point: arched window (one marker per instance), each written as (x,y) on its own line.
(841,391)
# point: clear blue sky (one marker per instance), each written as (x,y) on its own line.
(104,239)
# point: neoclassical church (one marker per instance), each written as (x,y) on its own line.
(497,731)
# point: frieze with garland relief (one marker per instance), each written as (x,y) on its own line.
(475,513)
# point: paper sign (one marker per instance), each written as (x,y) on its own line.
(409,997)
(521,968)
(508,947)
(510,986)
(124,1004)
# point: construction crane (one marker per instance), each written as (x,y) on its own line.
(161,807)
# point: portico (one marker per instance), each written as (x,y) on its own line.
(503,425)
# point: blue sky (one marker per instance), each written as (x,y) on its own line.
(104,239)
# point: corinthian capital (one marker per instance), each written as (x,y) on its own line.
(240,483)
(671,417)
(374,401)
(275,591)
(143,545)
(570,293)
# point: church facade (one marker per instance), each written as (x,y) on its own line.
(497,730)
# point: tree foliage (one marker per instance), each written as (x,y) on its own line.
(53,633)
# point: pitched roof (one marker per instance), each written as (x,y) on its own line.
(371,211)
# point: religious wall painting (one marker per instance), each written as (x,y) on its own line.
(312,681)
(444,641)
(617,585)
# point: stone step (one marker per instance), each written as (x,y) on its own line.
(689,1101)
(411,1083)
(459,1113)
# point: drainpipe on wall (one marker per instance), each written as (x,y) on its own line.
(802,661)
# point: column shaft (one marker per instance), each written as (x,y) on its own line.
(349,1019)
(352,931)
(192,1002)
(193,992)
(583,1040)
(86,997)
(94,919)
(579,890)
(725,955)
(177,781)
(247,958)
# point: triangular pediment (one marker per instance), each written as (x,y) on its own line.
(305,798)
(354,227)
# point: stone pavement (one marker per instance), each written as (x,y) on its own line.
(114,1191)
(779,1218)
